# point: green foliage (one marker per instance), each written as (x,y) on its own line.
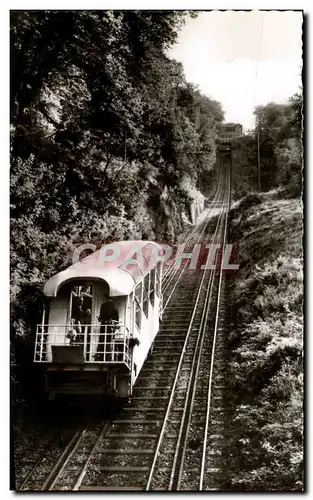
(244,166)
(266,358)
(281,152)
(280,130)
(289,165)
(104,127)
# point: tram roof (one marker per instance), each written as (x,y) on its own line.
(121,265)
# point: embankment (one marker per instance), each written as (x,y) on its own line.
(265,345)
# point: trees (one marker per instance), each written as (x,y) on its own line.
(280,129)
(244,166)
(103,129)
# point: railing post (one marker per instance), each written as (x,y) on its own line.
(124,345)
(85,342)
(42,330)
(105,342)
(102,340)
(41,346)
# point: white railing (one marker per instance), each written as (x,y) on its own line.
(94,342)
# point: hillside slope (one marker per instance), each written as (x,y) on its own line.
(265,345)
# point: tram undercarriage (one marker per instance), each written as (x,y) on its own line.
(113,380)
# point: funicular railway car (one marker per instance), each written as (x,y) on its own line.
(228,131)
(100,319)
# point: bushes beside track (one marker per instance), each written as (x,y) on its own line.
(265,345)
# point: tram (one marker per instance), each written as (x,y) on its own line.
(100,318)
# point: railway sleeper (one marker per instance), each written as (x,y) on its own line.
(153,410)
(171,334)
(120,468)
(157,388)
(165,352)
(149,379)
(111,488)
(148,397)
(170,369)
(178,318)
(134,451)
(162,333)
(143,410)
(132,435)
(156,361)
(135,422)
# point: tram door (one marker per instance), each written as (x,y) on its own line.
(81,302)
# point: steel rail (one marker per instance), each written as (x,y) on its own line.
(193,234)
(42,457)
(185,425)
(205,224)
(35,466)
(192,384)
(199,236)
(63,459)
(176,378)
(87,462)
(202,470)
(192,237)
(194,230)
(174,268)
(65,462)
(72,446)
(84,470)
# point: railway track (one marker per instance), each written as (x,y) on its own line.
(171,435)
(58,460)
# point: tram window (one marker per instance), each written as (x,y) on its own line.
(152,286)
(138,297)
(137,314)
(138,293)
(145,306)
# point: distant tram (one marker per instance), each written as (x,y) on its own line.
(228,131)
(100,318)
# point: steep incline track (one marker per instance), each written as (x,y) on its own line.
(170,436)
